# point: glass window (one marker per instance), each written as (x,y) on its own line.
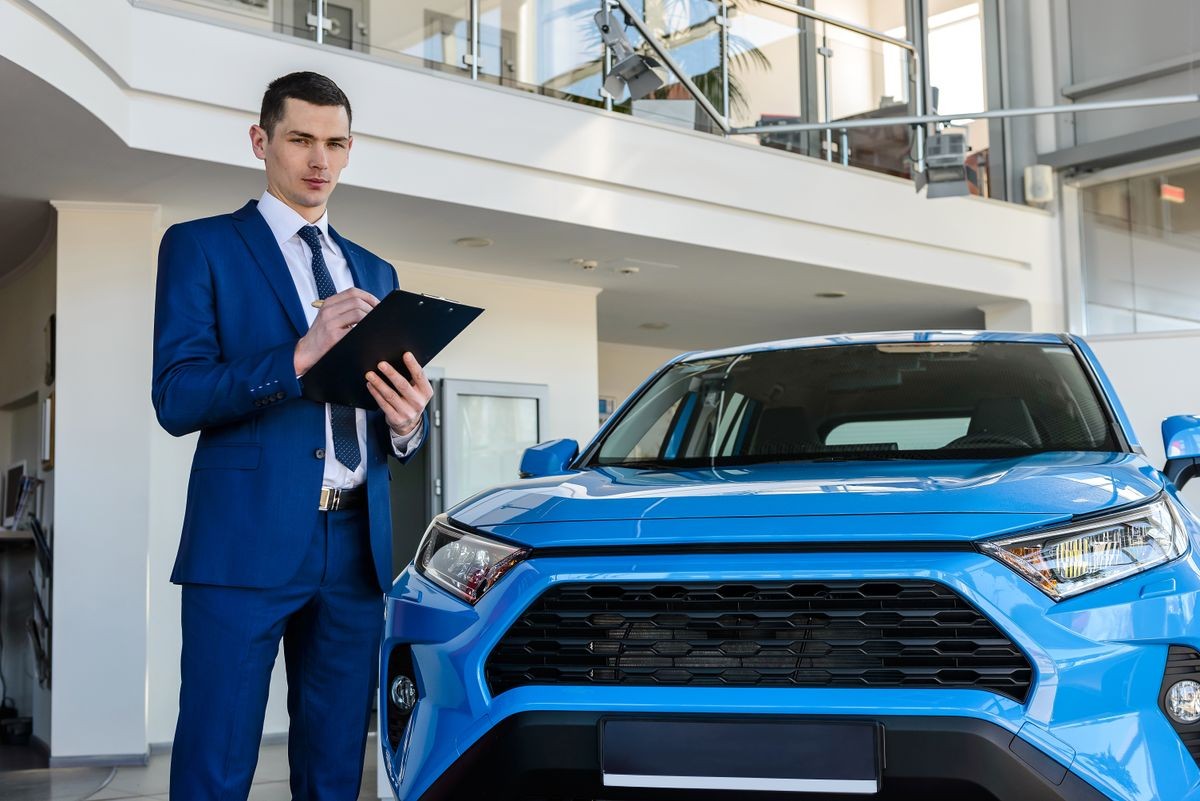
(1141,240)
(493,433)
(909,433)
(887,401)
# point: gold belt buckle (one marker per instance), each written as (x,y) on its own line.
(331,498)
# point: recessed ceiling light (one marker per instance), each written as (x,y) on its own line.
(654,326)
(473,242)
(830,295)
(585,264)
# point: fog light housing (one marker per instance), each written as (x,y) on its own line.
(1183,701)
(399,693)
(403,693)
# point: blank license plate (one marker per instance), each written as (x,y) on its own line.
(773,756)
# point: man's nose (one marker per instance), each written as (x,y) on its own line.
(318,157)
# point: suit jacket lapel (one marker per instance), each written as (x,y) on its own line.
(354,262)
(257,235)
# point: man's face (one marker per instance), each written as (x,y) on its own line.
(304,154)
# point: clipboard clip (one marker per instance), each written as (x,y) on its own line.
(439,297)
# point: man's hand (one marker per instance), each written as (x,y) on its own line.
(401,400)
(338,315)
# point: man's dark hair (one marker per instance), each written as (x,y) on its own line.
(307,86)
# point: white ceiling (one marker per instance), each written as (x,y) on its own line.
(708,298)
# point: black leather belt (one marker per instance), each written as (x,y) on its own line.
(332,499)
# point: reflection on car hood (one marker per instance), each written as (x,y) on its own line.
(845,501)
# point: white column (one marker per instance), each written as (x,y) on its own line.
(1007,315)
(105,309)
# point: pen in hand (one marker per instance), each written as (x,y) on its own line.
(316,304)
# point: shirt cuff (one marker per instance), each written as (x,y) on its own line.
(405,444)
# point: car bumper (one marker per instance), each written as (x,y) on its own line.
(1091,727)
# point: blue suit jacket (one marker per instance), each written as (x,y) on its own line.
(226,321)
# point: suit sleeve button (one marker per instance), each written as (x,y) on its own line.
(319,453)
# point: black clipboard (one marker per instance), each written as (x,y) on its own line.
(403,322)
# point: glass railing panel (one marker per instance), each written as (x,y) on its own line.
(252,14)
(772,78)
(432,33)
(861,78)
(785,68)
(554,48)
(690,32)
(549,47)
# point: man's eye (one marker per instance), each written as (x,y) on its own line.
(336,145)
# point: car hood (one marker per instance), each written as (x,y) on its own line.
(842,501)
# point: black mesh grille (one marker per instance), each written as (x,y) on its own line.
(786,634)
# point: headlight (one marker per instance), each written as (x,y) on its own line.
(1068,561)
(466,564)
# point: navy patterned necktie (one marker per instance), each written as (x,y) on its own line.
(341,418)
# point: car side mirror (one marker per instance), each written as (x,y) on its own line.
(1181,442)
(548,458)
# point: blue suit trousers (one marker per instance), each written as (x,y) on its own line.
(329,617)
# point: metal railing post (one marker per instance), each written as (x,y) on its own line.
(916,17)
(725,56)
(320,21)
(825,53)
(474,40)
(608,65)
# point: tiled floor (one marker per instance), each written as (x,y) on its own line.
(151,781)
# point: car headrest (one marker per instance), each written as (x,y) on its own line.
(1006,417)
(783,430)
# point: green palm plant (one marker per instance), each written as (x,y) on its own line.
(711,82)
(742,54)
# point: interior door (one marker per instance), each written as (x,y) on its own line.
(486,427)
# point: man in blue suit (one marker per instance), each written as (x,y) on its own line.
(287,530)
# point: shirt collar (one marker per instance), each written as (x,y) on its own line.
(284,221)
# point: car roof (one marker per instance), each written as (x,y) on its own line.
(883,337)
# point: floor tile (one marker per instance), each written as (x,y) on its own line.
(152,781)
(58,784)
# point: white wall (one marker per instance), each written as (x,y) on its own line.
(531,332)
(623,368)
(1154,378)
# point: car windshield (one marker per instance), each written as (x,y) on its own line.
(922,400)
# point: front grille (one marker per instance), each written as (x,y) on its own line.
(762,634)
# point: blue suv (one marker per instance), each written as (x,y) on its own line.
(890,566)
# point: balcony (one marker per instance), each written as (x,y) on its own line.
(739,67)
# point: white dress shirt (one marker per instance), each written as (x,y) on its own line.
(285,224)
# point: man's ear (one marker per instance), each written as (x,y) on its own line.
(258,141)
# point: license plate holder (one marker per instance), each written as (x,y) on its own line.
(802,756)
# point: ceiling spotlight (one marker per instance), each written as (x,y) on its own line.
(473,242)
(628,269)
(585,264)
(640,74)
(831,295)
